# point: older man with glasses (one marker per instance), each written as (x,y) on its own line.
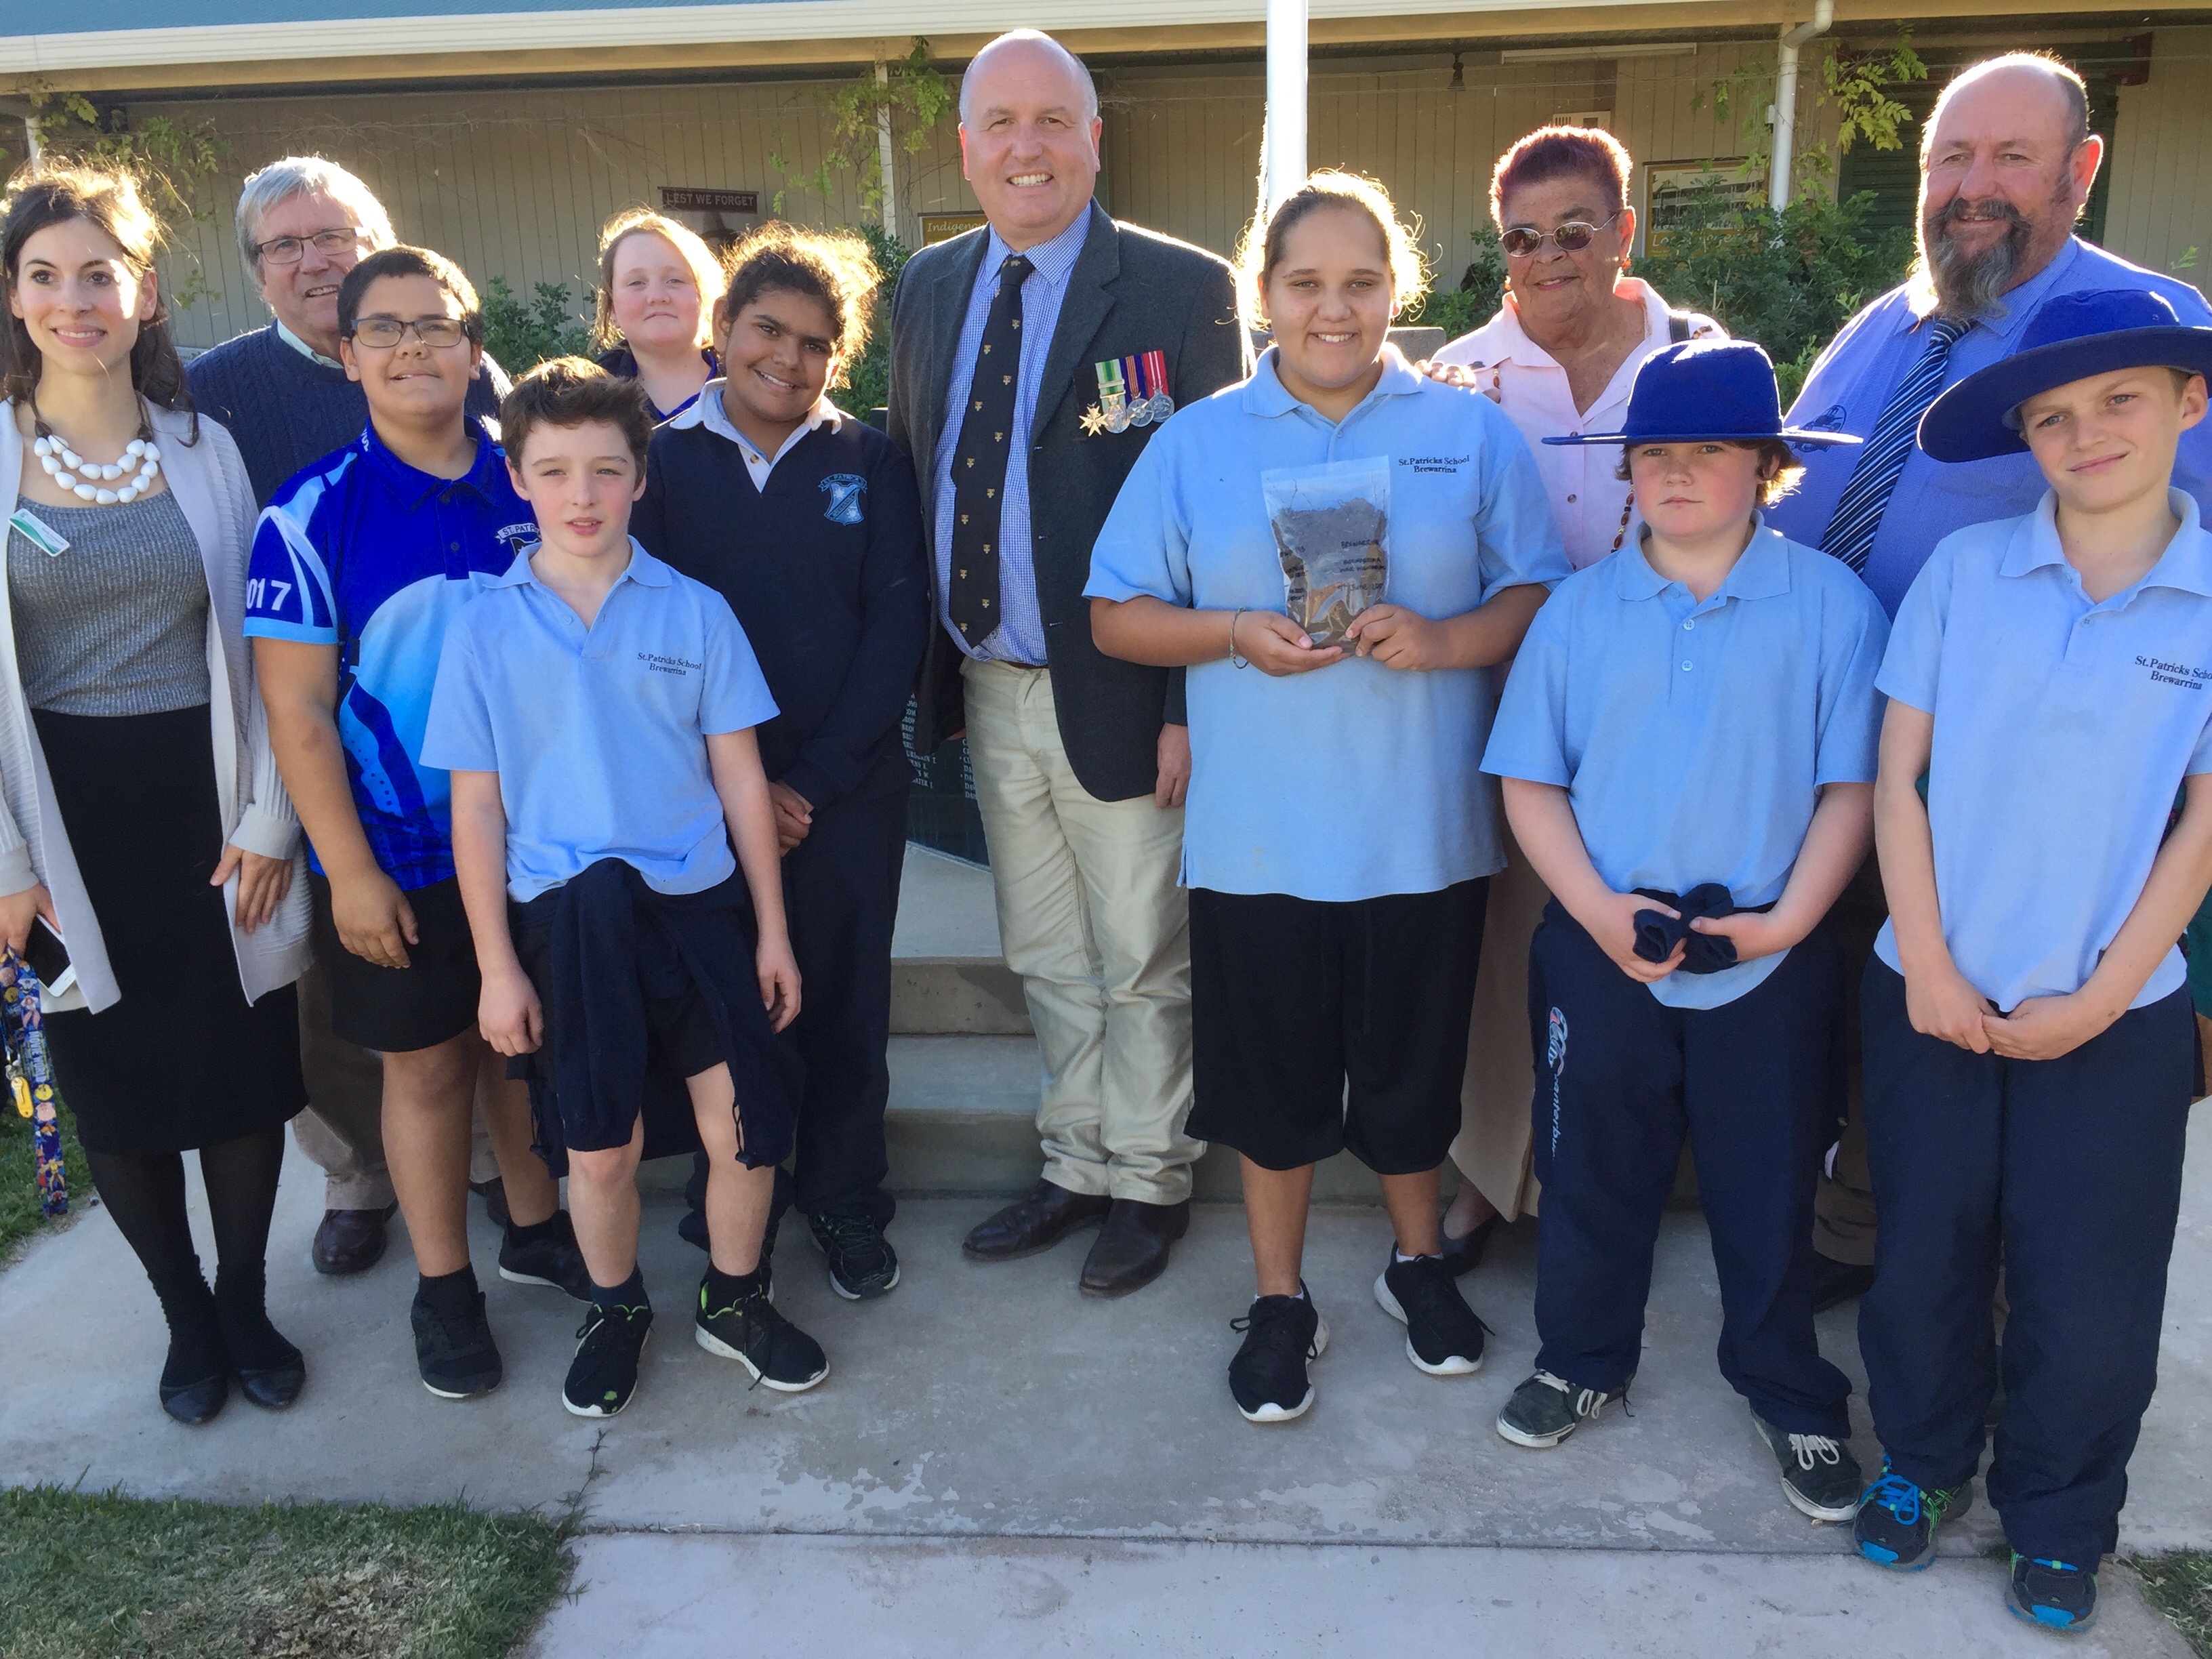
(303,222)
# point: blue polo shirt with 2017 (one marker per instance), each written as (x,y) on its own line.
(2063,728)
(598,734)
(1692,737)
(1354,781)
(363,551)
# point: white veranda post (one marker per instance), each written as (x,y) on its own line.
(885,154)
(1284,163)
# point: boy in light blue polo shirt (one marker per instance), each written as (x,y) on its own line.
(1687,746)
(596,710)
(2028,1033)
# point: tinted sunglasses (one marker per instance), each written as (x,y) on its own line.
(1522,240)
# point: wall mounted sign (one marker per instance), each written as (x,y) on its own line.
(686,199)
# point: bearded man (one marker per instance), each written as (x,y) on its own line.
(2006,162)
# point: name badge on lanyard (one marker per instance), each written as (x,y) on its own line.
(40,535)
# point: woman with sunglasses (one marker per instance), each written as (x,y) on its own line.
(143,822)
(1559,357)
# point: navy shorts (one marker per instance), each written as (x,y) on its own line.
(395,1011)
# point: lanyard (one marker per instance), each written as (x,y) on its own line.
(31,1076)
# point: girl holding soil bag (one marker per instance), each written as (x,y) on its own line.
(1369,541)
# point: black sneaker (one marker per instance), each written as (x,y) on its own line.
(1545,1409)
(1271,1379)
(1898,1521)
(550,1258)
(751,1331)
(1819,1476)
(1442,1336)
(453,1349)
(862,1263)
(2052,1594)
(603,1376)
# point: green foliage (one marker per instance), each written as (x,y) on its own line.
(171,159)
(1856,82)
(519,336)
(867,380)
(1788,280)
(104,1576)
(917,97)
(1482,290)
(20,1217)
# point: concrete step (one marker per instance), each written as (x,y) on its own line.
(963,1123)
(947,975)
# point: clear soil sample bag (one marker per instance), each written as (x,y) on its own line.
(1332,532)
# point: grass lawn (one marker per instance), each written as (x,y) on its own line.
(89,1576)
(19,1188)
(2179,1586)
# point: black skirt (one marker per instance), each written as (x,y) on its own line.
(181,1061)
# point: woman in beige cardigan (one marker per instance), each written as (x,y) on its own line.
(144,819)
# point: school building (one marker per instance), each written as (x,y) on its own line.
(504,131)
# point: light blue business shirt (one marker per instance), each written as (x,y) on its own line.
(598,734)
(2063,731)
(1853,380)
(1693,738)
(1356,780)
(1019,637)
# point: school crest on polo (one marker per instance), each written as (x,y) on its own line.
(847,492)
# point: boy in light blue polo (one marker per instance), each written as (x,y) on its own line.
(596,711)
(1687,746)
(2028,1033)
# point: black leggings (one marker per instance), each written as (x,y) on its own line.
(145,1194)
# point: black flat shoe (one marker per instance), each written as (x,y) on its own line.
(273,1388)
(1462,1255)
(194,1403)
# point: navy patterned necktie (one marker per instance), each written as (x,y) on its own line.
(1866,495)
(978,460)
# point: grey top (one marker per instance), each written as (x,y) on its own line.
(117,623)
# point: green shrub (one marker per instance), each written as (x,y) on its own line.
(1475,301)
(1788,280)
(521,337)
(867,383)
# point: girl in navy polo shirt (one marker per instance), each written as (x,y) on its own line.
(1339,837)
(658,285)
(808,522)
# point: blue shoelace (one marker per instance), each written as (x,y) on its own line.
(1900,1496)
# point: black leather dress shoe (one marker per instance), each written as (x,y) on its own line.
(1132,1250)
(1835,1283)
(1037,1223)
(1462,1255)
(351,1241)
(273,1388)
(194,1403)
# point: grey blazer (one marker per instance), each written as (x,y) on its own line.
(1131,291)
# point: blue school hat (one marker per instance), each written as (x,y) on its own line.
(2074,336)
(1704,392)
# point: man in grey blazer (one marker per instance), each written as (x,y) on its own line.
(1030,362)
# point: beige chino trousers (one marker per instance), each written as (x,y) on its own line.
(1091,918)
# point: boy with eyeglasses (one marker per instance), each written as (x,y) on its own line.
(360,564)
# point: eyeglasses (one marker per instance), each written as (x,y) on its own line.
(385,332)
(1572,237)
(291,250)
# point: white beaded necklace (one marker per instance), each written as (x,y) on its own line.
(95,481)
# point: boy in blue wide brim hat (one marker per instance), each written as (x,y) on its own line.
(1687,746)
(2028,1034)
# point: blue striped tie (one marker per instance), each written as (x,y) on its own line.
(1866,496)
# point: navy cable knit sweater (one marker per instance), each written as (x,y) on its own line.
(287,412)
(824,570)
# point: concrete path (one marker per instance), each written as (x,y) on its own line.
(987,1427)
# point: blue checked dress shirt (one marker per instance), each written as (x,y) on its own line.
(1019,637)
